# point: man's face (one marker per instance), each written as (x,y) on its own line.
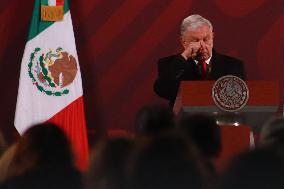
(203,38)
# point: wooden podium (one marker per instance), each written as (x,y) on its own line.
(264,100)
(196,97)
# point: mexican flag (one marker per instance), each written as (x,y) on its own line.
(50,85)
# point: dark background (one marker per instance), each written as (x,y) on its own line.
(119,42)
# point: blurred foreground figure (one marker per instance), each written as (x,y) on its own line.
(203,131)
(43,159)
(108,164)
(5,162)
(165,162)
(272,133)
(153,120)
(261,169)
(3,145)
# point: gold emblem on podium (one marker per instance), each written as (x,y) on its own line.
(230,93)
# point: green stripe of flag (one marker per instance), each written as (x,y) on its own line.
(37,26)
(44,2)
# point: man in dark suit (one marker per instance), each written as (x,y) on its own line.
(198,61)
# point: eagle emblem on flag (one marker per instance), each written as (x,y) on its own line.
(52,71)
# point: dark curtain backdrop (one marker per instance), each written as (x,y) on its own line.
(119,42)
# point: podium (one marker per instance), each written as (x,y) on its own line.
(264,100)
(196,97)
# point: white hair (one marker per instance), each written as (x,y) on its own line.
(192,22)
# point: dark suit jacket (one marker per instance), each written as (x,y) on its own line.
(173,69)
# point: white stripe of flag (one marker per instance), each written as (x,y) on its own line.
(52,2)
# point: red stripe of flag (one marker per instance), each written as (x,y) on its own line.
(59,2)
(72,120)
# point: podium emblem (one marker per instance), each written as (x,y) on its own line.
(230,93)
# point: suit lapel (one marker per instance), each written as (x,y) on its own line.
(217,67)
(193,71)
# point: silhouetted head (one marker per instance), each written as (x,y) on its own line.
(152,120)
(42,145)
(261,169)
(108,164)
(167,162)
(272,132)
(204,132)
